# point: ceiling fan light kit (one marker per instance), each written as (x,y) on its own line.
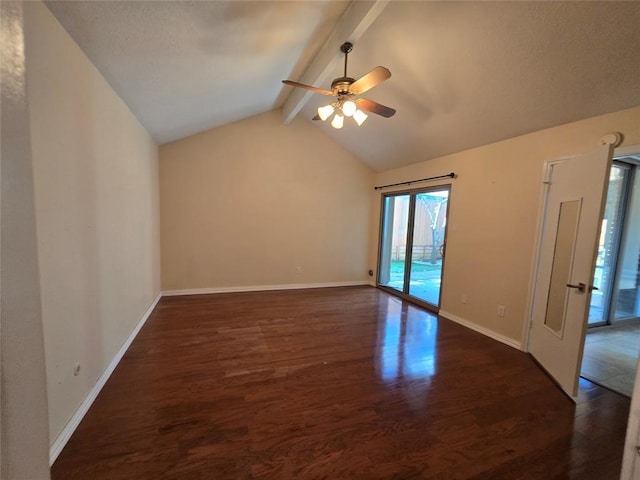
(359,116)
(346,90)
(349,108)
(325,112)
(338,121)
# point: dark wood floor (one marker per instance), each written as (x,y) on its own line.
(332,384)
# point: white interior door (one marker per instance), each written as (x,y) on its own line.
(576,189)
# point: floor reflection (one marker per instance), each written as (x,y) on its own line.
(406,342)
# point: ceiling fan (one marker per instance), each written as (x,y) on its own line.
(346,90)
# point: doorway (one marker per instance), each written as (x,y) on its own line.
(617,272)
(412,244)
(612,348)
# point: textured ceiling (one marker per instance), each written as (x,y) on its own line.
(465,74)
(184,67)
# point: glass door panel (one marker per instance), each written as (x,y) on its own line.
(427,248)
(608,247)
(626,293)
(395,223)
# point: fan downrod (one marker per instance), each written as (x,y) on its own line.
(345,48)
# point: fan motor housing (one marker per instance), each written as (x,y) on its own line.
(340,85)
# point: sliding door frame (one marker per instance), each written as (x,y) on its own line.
(608,292)
(404,294)
(611,292)
(634,170)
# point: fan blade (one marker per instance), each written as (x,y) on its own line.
(373,107)
(317,117)
(308,87)
(370,80)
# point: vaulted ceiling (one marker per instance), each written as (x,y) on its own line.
(464,74)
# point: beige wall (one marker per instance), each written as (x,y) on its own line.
(23,398)
(97,214)
(243,205)
(493,214)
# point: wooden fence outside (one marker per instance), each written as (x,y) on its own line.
(420,252)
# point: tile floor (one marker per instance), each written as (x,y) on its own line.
(611,356)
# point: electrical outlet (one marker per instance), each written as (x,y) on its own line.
(501,310)
(464,298)
(298,269)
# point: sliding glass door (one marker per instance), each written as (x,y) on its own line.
(625,299)
(395,223)
(609,244)
(617,272)
(412,243)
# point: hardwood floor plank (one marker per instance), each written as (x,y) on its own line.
(334,383)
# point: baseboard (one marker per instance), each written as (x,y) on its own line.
(72,424)
(485,331)
(260,288)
